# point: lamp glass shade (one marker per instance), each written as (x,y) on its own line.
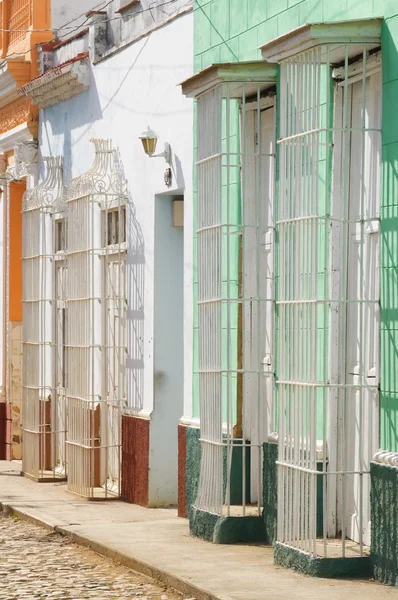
(149,145)
(149,140)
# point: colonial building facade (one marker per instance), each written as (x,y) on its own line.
(291,437)
(24,24)
(287,421)
(100,283)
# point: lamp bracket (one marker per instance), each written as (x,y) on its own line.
(166,154)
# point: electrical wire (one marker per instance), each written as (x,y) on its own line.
(4,181)
(87,18)
(73,29)
(97,6)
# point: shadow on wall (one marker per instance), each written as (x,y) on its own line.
(63,118)
(178,174)
(389,244)
(135,310)
(135,278)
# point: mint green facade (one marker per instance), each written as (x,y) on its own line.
(232,30)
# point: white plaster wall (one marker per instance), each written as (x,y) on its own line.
(70,50)
(68,16)
(130,90)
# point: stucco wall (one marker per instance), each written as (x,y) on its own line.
(130,90)
(68,16)
(232,30)
(384,513)
(193,456)
(270,491)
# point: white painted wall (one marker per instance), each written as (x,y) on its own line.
(68,16)
(130,90)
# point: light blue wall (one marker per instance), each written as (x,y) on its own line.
(168,354)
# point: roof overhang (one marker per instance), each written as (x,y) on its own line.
(13,74)
(60,83)
(17,135)
(256,72)
(336,35)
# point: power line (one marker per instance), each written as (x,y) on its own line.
(80,16)
(88,18)
(64,26)
(73,29)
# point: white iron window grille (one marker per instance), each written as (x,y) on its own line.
(115,226)
(60,330)
(96,338)
(60,235)
(41,424)
(328,295)
(235,224)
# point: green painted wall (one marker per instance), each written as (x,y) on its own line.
(322,567)
(384,519)
(232,30)
(192,469)
(270,491)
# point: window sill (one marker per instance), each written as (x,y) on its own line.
(114,249)
(131,4)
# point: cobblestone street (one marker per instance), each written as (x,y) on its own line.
(36,563)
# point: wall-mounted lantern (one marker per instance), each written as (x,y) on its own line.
(149,141)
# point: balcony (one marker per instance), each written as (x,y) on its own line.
(18,54)
(22,17)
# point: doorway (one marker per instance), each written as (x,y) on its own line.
(358,402)
(168,348)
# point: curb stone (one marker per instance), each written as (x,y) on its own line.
(158,575)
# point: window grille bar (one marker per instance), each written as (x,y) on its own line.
(235,220)
(327,303)
(39,397)
(96,294)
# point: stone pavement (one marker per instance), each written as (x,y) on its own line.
(36,563)
(157,543)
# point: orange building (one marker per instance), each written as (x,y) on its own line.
(20,21)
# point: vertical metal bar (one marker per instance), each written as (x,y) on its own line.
(326,295)
(230,442)
(279,307)
(361,301)
(261,303)
(346,153)
(243,224)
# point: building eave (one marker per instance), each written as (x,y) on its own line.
(56,44)
(20,133)
(241,72)
(13,74)
(354,34)
(59,83)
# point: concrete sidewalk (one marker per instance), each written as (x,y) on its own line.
(157,543)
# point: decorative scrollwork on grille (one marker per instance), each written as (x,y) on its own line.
(49,193)
(105,177)
(25,161)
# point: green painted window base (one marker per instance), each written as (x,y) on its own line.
(226,530)
(192,468)
(292,558)
(270,491)
(384,519)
